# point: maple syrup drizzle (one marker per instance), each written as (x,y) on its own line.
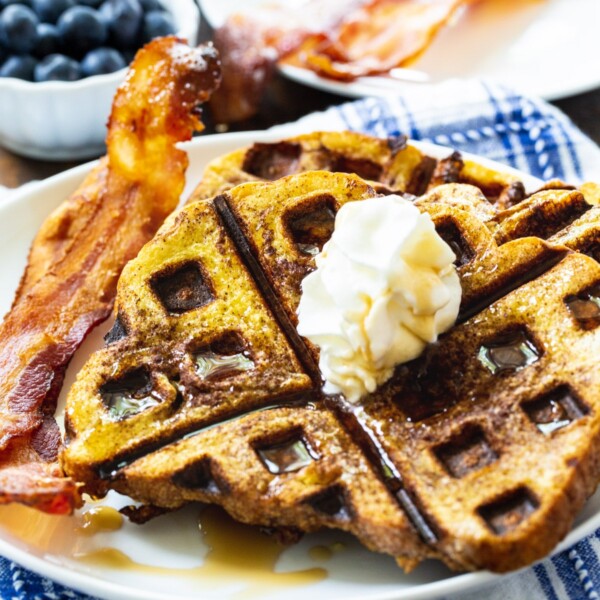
(235,551)
(42,531)
(110,469)
(210,364)
(321,553)
(100,519)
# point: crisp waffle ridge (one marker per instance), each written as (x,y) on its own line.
(389,165)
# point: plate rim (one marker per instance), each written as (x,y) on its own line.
(361,89)
(89,583)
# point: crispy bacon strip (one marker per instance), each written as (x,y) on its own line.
(376,38)
(60,228)
(79,252)
(248,65)
(251,44)
(338,39)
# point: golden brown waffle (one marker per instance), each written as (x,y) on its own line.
(160,372)
(387,164)
(479,453)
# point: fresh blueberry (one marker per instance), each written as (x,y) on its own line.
(124,19)
(48,40)
(5,3)
(49,10)
(157,24)
(57,67)
(92,3)
(101,61)
(20,67)
(148,5)
(81,29)
(18,28)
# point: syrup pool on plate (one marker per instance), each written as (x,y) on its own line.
(235,551)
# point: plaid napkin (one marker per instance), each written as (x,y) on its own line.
(481,118)
(478,117)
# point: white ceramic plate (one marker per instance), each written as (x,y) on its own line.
(541,47)
(169,551)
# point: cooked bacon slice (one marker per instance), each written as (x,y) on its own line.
(59,229)
(248,64)
(79,252)
(337,39)
(251,44)
(27,479)
(376,38)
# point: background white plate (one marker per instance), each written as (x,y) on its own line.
(47,544)
(546,48)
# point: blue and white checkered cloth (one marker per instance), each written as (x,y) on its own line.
(478,117)
(489,120)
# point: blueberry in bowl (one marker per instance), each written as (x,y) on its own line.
(82,29)
(62,60)
(124,21)
(49,41)
(48,11)
(156,23)
(57,67)
(101,61)
(18,67)
(18,29)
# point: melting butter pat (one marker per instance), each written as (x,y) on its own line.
(385,286)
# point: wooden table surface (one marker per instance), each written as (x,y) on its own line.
(285,101)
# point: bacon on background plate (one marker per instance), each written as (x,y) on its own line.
(251,43)
(339,39)
(375,38)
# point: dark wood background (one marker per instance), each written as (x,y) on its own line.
(285,101)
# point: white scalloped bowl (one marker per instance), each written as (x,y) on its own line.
(57,120)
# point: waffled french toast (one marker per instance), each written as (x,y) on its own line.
(478,453)
(389,165)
